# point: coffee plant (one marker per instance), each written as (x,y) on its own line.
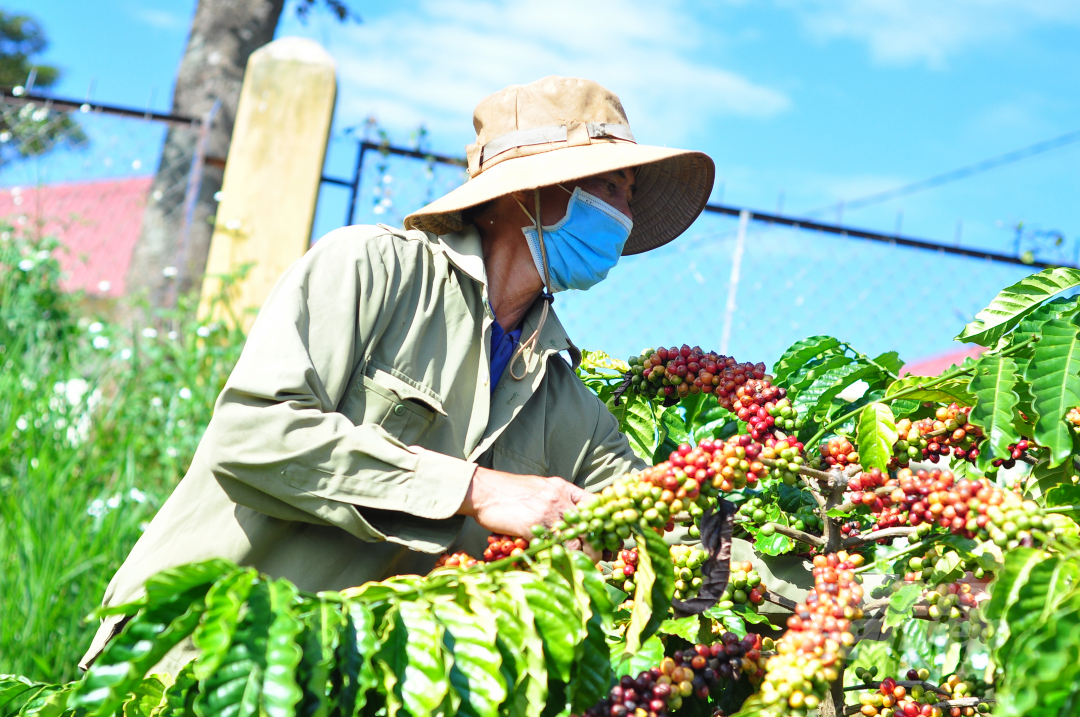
(790,551)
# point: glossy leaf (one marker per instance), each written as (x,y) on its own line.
(946,392)
(647,656)
(14,691)
(140,645)
(799,353)
(235,688)
(994,386)
(217,626)
(475,676)
(1015,302)
(179,698)
(424,682)
(638,421)
(685,627)
(815,369)
(519,644)
(900,604)
(1054,377)
(324,624)
(354,674)
(817,398)
(876,436)
(145,699)
(592,674)
(654,588)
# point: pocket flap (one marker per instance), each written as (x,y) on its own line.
(403,387)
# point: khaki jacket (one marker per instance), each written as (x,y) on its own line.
(347,435)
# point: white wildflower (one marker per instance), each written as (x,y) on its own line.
(96,327)
(96,509)
(104,286)
(101,342)
(114,501)
(149,333)
(172,452)
(42,255)
(125,355)
(26,264)
(34,462)
(21,423)
(203,331)
(137,495)
(185,393)
(173,336)
(156,402)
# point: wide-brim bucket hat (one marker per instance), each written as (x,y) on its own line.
(562,129)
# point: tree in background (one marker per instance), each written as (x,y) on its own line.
(30,130)
(223,35)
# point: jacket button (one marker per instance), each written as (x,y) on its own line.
(399,409)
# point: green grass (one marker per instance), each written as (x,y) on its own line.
(97,424)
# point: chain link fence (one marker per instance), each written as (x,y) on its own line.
(791,282)
(84,175)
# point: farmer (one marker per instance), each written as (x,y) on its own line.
(401,392)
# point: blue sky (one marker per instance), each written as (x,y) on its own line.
(822,100)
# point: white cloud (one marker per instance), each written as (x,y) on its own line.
(930,31)
(434,65)
(162,19)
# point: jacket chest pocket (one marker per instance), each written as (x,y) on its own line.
(403,410)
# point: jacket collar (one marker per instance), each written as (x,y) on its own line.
(464,250)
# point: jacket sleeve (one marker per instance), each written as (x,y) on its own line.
(277,443)
(608,455)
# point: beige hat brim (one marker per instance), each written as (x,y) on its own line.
(673,186)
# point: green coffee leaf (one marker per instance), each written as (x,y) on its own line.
(178,700)
(1015,302)
(324,624)
(519,645)
(815,369)
(817,396)
(647,656)
(799,353)
(1062,495)
(145,699)
(639,422)
(900,605)
(15,690)
(354,674)
(877,434)
(424,683)
(655,586)
(685,627)
(592,675)
(1054,377)
(476,677)
(140,645)
(217,626)
(994,386)
(946,392)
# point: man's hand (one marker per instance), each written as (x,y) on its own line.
(511,504)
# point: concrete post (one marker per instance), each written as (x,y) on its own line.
(272,175)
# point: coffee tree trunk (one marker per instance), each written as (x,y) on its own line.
(223,34)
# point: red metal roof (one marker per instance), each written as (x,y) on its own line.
(97,221)
(935,365)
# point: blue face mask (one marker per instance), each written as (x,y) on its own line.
(583,246)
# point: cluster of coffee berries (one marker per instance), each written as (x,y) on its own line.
(696,672)
(1016,452)
(970,508)
(744,587)
(927,439)
(784,458)
(623,570)
(649,499)
(818,637)
(939,558)
(892,699)
(1073,419)
(687,561)
(851,529)
(503,546)
(838,451)
(456,560)
(952,602)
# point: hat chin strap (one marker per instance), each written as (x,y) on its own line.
(530,344)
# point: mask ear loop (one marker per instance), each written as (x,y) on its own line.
(530,344)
